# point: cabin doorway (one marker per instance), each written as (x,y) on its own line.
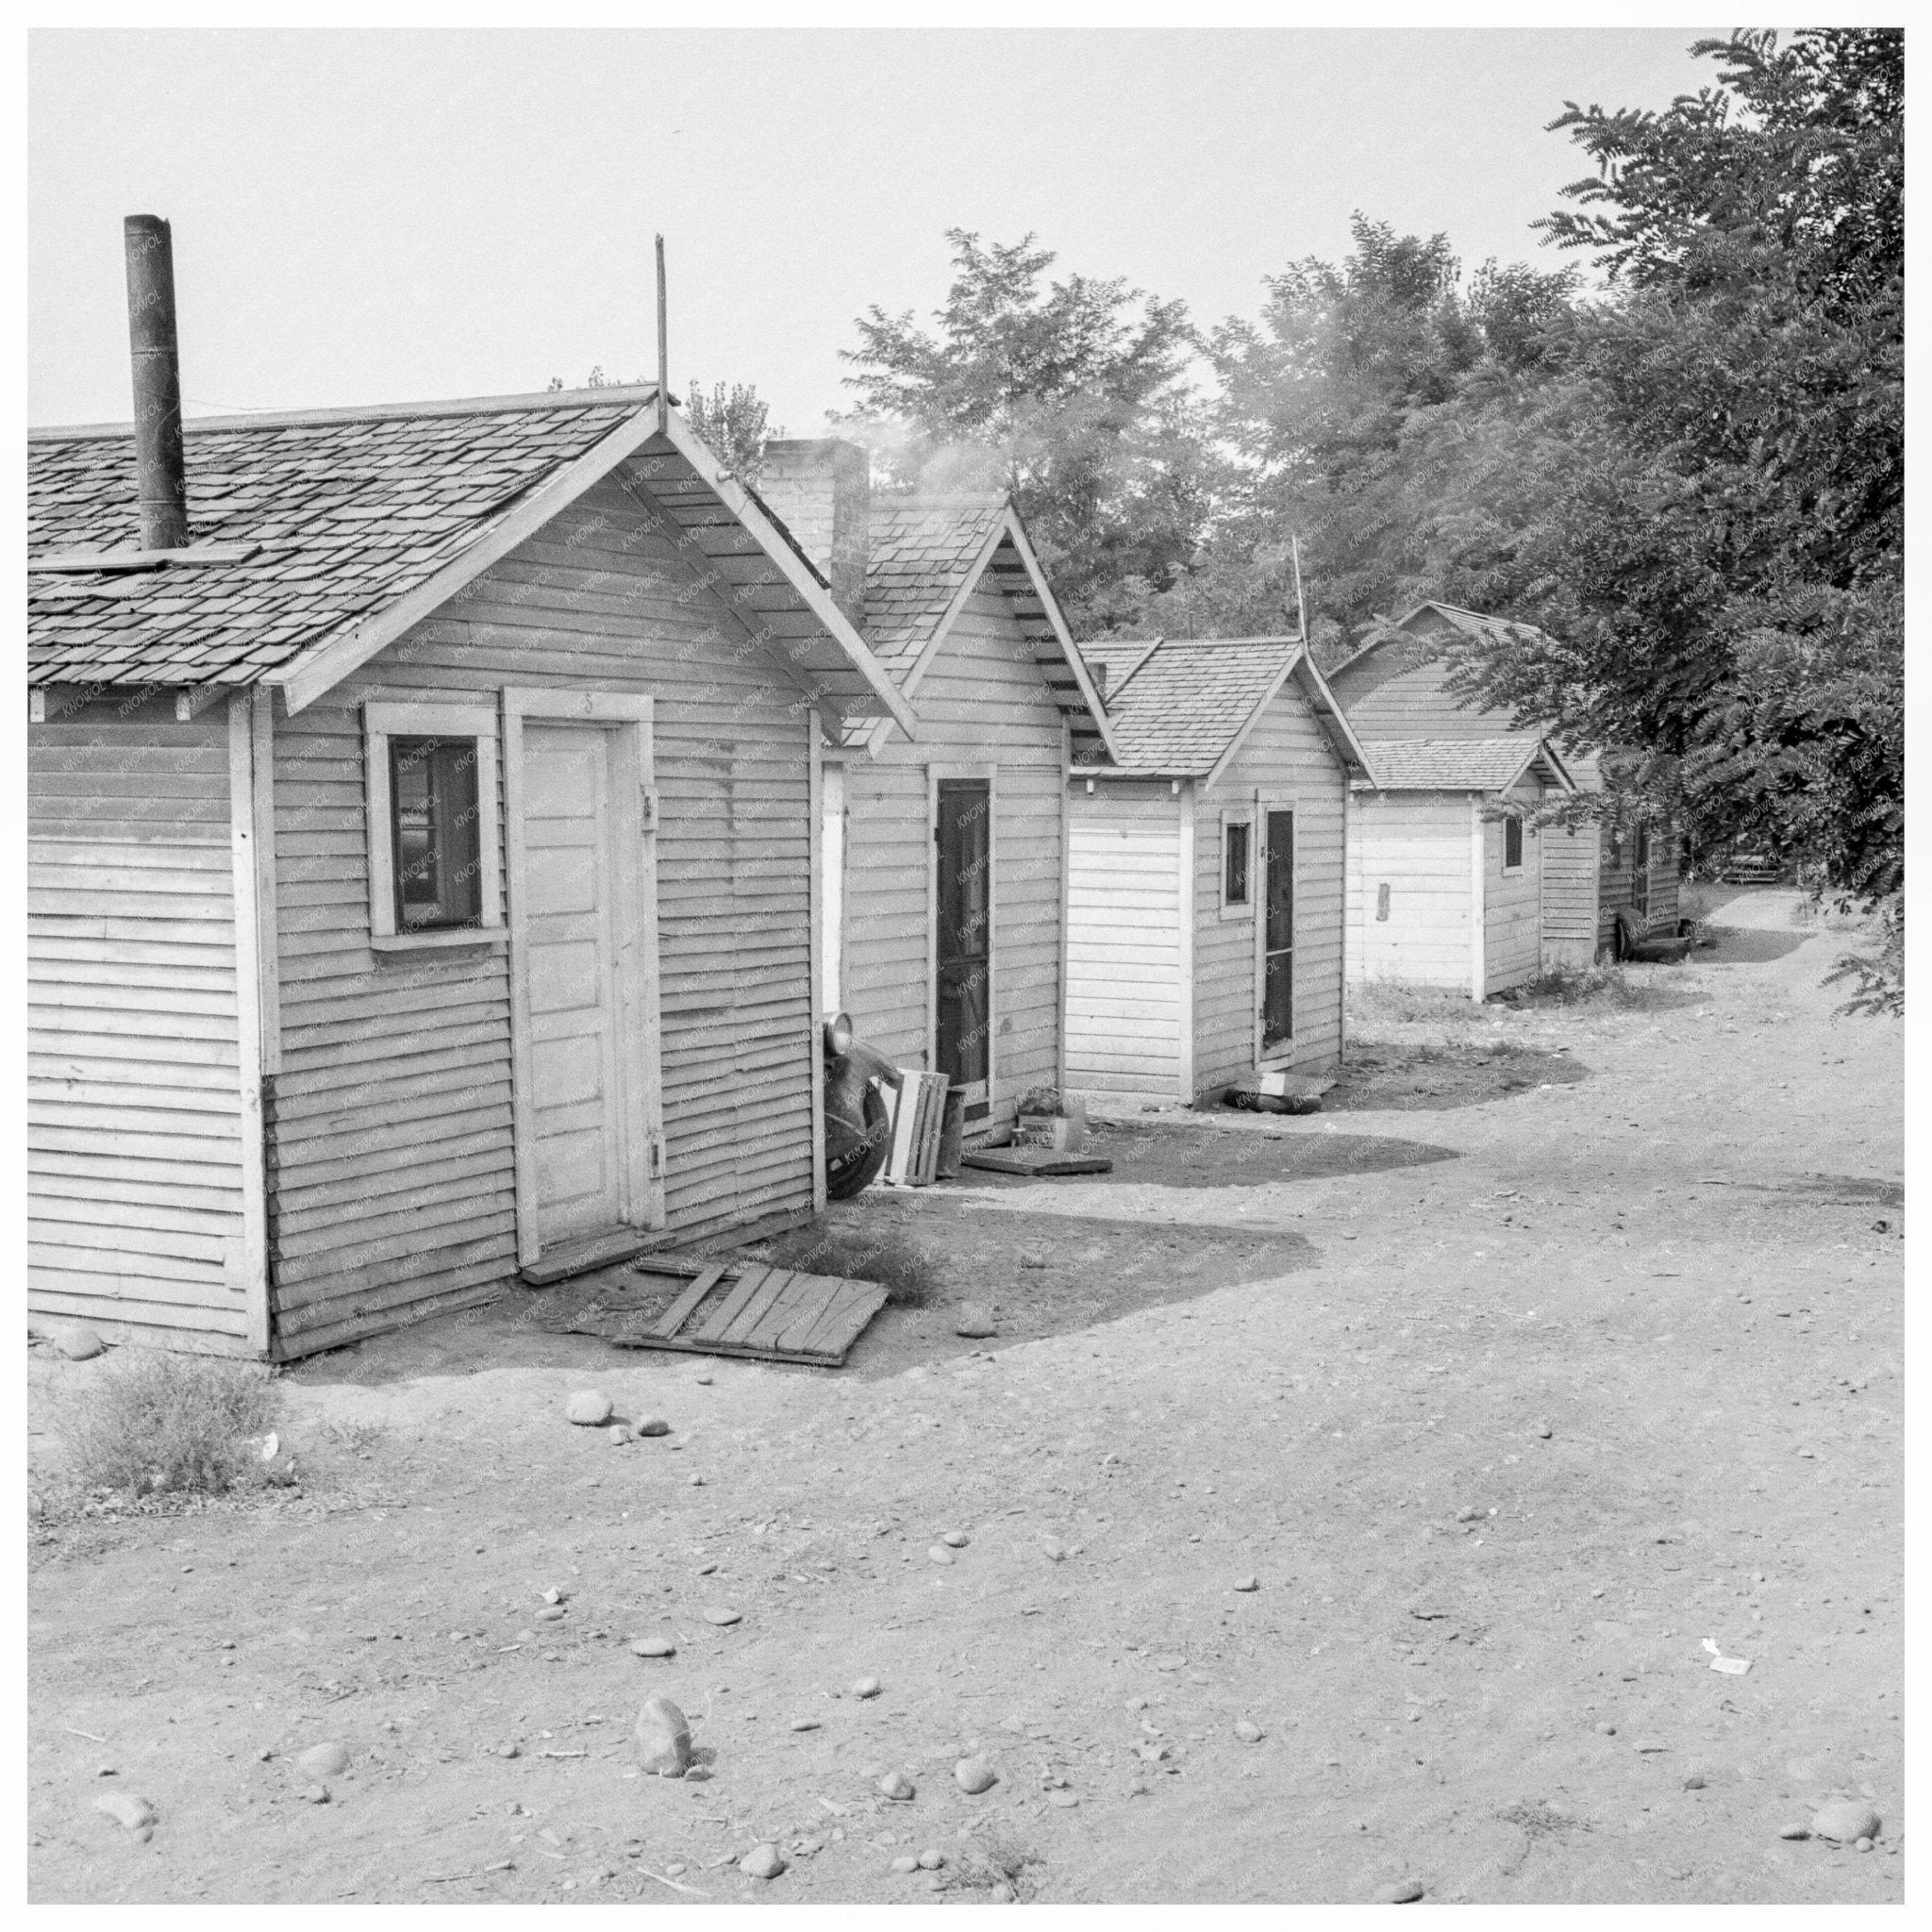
(962,936)
(583,969)
(1277,937)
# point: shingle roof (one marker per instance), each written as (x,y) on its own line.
(922,548)
(1186,703)
(1449,764)
(349,511)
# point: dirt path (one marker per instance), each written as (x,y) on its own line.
(1670,1265)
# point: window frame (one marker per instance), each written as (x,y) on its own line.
(1513,821)
(382,722)
(1237,908)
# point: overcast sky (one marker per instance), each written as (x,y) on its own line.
(364,217)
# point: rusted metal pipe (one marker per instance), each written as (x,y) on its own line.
(159,468)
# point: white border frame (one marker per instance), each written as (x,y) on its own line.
(382,721)
(642,1152)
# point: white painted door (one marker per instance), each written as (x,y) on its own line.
(571,939)
(585,1039)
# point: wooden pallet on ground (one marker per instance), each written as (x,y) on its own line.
(736,1308)
(1039,1162)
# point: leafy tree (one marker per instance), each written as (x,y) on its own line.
(735,422)
(1070,394)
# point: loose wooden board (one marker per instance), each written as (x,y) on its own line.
(1037,1162)
(735,1308)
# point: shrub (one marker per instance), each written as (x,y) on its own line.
(160,1422)
(893,1259)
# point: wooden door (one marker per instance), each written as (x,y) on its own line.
(1278,939)
(588,1153)
(963,939)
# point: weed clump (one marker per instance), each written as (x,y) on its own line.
(899,1265)
(156,1421)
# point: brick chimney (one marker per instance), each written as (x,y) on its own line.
(823,490)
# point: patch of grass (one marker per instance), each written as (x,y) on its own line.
(1403,1003)
(906,1272)
(156,1422)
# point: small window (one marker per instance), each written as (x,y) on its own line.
(1237,841)
(1513,844)
(432,825)
(432,789)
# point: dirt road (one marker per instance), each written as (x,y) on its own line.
(1513,1426)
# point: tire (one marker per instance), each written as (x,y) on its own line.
(853,1172)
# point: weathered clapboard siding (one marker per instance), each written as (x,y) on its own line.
(393,1139)
(982,703)
(1512,901)
(1417,844)
(1124,906)
(134,1111)
(1287,763)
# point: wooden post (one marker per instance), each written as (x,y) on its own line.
(252,1281)
(663,348)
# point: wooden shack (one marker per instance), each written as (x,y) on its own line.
(1397,688)
(1206,870)
(945,858)
(421,863)
(1446,865)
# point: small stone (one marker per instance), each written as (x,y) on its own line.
(1248,1583)
(79,1344)
(1845,1822)
(127,1808)
(653,1646)
(1544,1431)
(1466,1514)
(1405,1892)
(762,1861)
(975,1323)
(939,1554)
(898,1786)
(975,1774)
(1065,1800)
(550,1613)
(1793,1830)
(1055,1550)
(553,1596)
(587,1410)
(1002,1893)
(1033,1260)
(804,1724)
(1606,1730)
(722,1615)
(314,1794)
(866,1687)
(931,1859)
(1248,1731)
(652,1425)
(1864,1844)
(697,1482)
(1694,1782)
(702,1381)
(905,1864)
(661,1739)
(954,1539)
(619,1434)
(1172,1660)
(324,1761)
(1645,1746)
(511,1749)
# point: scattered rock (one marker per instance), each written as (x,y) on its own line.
(1002,1893)
(587,1410)
(652,1425)
(1793,1830)
(762,1861)
(1466,1514)
(653,1646)
(1606,1730)
(905,1864)
(702,1381)
(1173,1660)
(324,1761)
(1404,1892)
(1065,1800)
(553,1596)
(898,1786)
(127,1808)
(939,1554)
(804,1724)
(314,1794)
(1544,1431)
(1056,1549)
(1248,1731)
(954,1539)
(1694,1782)
(79,1344)
(1033,1260)
(722,1615)
(975,1774)
(931,1859)
(619,1434)
(511,1749)
(1645,1746)
(1248,1583)
(1845,1822)
(661,1739)
(974,1322)
(866,1687)
(550,1613)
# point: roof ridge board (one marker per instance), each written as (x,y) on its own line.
(628,396)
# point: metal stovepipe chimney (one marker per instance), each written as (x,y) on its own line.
(161,472)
